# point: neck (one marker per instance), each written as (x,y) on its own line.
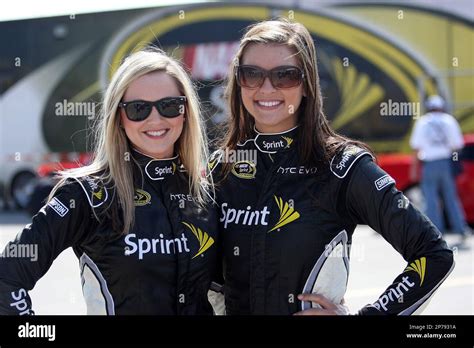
(163,158)
(276,131)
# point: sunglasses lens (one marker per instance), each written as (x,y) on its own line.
(282,77)
(171,107)
(138,111)
(286,77)
(250,77)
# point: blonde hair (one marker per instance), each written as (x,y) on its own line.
(112,145)
(318,141)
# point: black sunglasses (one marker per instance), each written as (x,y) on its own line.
(286,76)
(139,110)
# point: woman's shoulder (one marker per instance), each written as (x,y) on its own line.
(346,158)
(91,188)
(357,167)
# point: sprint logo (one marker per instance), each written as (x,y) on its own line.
(287,214)
(288,141)
(94,186)
(246,217)
(212,164)
(397,292)
(394,294)
(99,194)
(163,171)
(167,246)
(161,245)
(274,145)
(160,169)
(205,241)
(97,191)
(346,156)
(251,217)
(418,266)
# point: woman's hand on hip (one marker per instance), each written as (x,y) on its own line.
(327,307)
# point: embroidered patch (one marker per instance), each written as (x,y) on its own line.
(342,162)
(383,182)
(58,207)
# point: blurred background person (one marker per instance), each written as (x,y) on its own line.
(436,138)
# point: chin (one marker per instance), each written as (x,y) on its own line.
(269,120)
(154,152)
(273,122)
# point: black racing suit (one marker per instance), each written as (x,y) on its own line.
(286,229)
(161,266)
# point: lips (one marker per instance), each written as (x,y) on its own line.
(158,133)
(269,103)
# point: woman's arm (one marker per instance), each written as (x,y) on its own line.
(373,199)
(57,226)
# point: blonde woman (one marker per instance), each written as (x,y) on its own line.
(137,217)
(286,236)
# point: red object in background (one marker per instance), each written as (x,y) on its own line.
(398,166)
(64,163)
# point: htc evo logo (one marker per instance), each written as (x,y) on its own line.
(301,170)
(249,217)
(418,266)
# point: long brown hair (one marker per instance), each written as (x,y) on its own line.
(318,142)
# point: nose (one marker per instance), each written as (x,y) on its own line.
(155,114)
(267,86)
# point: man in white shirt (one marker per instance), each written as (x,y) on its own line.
(437,137)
